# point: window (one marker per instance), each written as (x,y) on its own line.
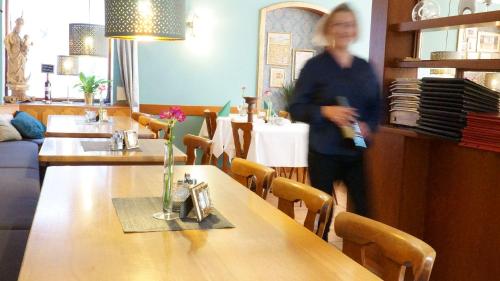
(47,24)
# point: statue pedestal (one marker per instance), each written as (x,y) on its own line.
(19,91)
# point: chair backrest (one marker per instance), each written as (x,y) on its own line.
(252,175)
(242,150)
(144,120)
(317,202)
(159,128)
(136,115)
(192,143)
(211,121)
(399,250)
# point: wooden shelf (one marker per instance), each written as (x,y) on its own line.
(477,65)
(472,20)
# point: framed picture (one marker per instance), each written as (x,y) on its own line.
(279,48)
(300,57)
(488,42)
(467,40)
(131,139)
(201,201)
(277,77)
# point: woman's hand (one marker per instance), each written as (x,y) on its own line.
(366,132)
(340,115)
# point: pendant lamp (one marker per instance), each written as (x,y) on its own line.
(145,19)
(87,40)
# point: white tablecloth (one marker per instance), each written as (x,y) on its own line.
(271,145)
(280,146)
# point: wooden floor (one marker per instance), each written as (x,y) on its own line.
(301,211)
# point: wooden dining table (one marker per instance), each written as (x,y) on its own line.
(71,151)
(75,126)
(76,234)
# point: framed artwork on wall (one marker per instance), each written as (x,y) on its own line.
(300,57)
(488,42)
(277,77)
(279,48)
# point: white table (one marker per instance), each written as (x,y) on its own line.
(271,145)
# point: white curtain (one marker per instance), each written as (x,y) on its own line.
(129,71)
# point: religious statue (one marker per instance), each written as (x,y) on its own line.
(17,48)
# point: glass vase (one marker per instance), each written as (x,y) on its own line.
(168,184)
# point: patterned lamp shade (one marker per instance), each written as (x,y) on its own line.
(87,40)
(67,65)
(146,19)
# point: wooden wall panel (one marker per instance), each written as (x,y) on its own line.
(385,172)
(42,111)
(190,110)
(8,108)
(462,220)
(443,193)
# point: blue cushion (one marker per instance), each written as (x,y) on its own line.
(28,126)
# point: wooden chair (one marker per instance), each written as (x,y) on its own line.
(144,120)
(316,201)
(242,151)
(192,143)
(399,250)
(211,121)
(136,115)
(159,128)
(252,175)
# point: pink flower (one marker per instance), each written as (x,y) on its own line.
(102,88)
(173,114)
(268,93)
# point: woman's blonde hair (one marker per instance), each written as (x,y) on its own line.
(319,38)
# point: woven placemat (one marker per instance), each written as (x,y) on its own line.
(136,215)
(89,146)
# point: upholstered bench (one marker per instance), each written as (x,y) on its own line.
(19,191)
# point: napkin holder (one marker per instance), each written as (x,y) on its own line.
(182,203)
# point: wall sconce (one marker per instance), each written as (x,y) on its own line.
(163,20)
(192,25)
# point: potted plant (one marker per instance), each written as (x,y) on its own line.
(288,91)
(89,85)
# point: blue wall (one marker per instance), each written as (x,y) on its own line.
(211,70)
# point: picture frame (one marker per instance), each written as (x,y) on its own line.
(277,77)
(131,139)
(488,42)
(300,58)
(279,48)
(202,204)
(467,40)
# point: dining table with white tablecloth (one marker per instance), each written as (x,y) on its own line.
(284,145)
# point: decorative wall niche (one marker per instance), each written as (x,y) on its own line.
(297,19)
